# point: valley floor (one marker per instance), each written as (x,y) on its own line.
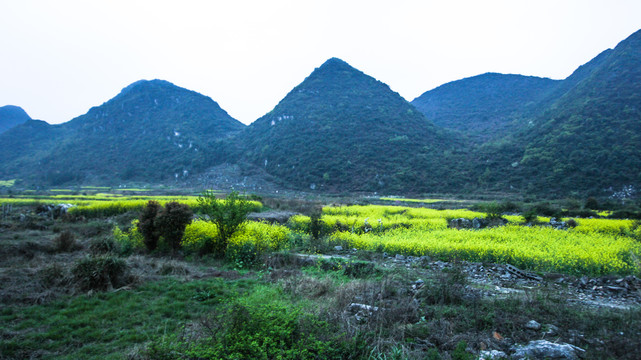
(344,304)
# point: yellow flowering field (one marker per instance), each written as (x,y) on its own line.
(595,246)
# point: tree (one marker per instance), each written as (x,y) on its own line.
(147,224)
(171,222)
(228,215)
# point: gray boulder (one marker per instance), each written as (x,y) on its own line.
(543,349)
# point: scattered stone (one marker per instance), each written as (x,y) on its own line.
(399,257)
(533,325)
(492,354)
(53,210)
(361,311)
(418,284)
(278,217)
(543,349)
(551,330)
(520,273)
(559,225)
(460,223)
(338,248)
(478,223)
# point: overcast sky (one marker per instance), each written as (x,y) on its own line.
(60,58)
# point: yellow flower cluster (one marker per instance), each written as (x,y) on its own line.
(595,246)
(264,236)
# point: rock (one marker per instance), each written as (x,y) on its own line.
(492,354)
(53,210)
(560,225)
(418,284)
(533,325)
(399,257)
(551,330)
(478,223)
(543,349)
(338,248)
(280,217)
(460,223)
(361,311)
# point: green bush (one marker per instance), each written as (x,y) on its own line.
(99,273)
(171,222)
(493,210)
(243,256)
(547,209)
(228,215)
(130,240)
(530,216)
(147,224)
(591,203)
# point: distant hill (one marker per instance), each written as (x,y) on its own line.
(153,130)
(485,106)
(342,130)
(11,116)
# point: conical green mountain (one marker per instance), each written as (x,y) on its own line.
(11,116)
(153,130)
(342,130)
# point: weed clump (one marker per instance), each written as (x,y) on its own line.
(65,242)
(99,273)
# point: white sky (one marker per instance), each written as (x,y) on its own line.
(60,58)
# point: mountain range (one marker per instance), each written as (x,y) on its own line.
(341,130)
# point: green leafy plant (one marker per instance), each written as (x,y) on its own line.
(228,215)
(147,224)
(171,222)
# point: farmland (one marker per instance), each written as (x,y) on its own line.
(295,282)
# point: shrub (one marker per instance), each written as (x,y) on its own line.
(493,210)
(243,256)
(546,209)
(200,236)
(530,216)
(228,215)
(147,224)
(99,273)
(129,240)
(591,203)
(171,222)
(103,245)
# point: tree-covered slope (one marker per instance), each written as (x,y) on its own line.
(23,147)
(589,139)
(585,141)
(485,106)
(153,130)
(11,116)
(341,130)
